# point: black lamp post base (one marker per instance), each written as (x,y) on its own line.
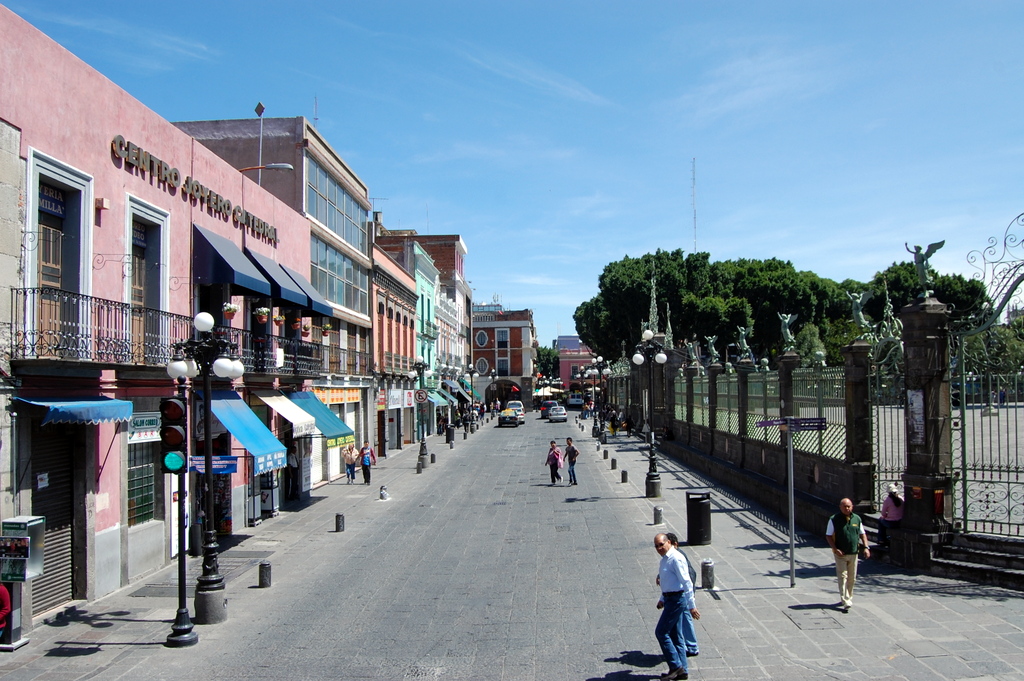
(424,456)
(182,634)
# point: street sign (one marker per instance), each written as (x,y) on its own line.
(771,422)
(809,424)
(421,396)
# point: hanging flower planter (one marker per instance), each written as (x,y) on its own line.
(325,330)
(262,314)
(306,329)
(229,310)
(279,319)
(296,325)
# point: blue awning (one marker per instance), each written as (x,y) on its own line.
(91,410)
(444,397)
(456,388)
(281,285)
(317,303)
(267,452)
(216,260)
(333,429)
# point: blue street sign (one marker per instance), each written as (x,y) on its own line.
(221,464)
(771,422)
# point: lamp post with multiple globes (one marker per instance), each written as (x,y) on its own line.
(208,354)
(650,351)
(419,368)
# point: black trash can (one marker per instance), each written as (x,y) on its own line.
(698,517)
(450,435)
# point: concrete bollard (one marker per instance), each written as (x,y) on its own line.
(659,518)
(419,466)
(264,576)
(597,445)
(339,522)
(604,437)
(707,573)
(606,454)
(614,464)
(625,476)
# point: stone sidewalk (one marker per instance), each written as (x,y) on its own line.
(478,568)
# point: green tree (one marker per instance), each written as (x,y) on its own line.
(547,361)
(808,344)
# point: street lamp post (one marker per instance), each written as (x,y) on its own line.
(471,375)
(194,357)
(182,632)
(420,369)
(650,351)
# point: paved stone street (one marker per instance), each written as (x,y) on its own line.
(478,568)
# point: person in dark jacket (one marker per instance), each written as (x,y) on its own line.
(846,535)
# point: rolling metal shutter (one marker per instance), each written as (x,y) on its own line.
(53,468)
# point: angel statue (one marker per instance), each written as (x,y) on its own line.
(712,352)
(694,348)
(858,300)
(741,345)
(921,264)
(787,337)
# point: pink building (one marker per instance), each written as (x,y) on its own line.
(115,229)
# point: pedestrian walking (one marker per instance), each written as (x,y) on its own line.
(351,459)
(367,458)
(676,602)
(554,462)
(689,631)
(845,534)
(571,454)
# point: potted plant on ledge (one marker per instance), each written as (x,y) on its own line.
(296,323)
(325,330)
(279,319)
(229,310)
(306,329)
(262,314)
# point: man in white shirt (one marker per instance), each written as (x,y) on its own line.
(676,603)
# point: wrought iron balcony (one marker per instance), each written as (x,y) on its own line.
(53,324)
(348,362)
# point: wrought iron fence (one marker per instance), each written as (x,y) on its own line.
(728,417)
(763,404)
(820,392)
(701,401)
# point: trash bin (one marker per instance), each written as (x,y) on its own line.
(451,434)
(698,517)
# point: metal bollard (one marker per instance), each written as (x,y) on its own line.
(264,576)
(614,464)
(339,522)
(659,518)
(451,444)
(597,445)
(707,573)
(433,458)
(419,466)
(465,434)
(625,476)
(606,454)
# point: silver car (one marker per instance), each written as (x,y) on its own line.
(557,413)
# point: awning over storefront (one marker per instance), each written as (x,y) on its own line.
(217,260)
(334,429)
(440,397)
(317,303)
(302,422)
(267,452)
(281,285)
(90,410)
(476,395)
(457,389)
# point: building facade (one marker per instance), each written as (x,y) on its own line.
(505,350)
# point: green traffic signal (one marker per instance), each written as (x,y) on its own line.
(173,435)
(174,462)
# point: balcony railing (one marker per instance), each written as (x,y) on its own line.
(343,361)
(52,324)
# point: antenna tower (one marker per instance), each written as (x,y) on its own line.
(693,199)
(316,111)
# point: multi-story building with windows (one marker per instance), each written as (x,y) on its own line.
(505,349)
(116,228)
(324,188)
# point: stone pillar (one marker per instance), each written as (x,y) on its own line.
(859,451)
(691,373)
(714,371)
(788,361)
(927,480)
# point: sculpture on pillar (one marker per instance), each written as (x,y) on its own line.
(921,264)
(694,349)
(712,352)
(788,343)
(744,349)
(858,300)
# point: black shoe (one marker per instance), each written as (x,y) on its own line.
(689,654)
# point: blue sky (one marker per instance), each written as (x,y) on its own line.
(557,136)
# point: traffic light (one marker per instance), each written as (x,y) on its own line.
(173,435)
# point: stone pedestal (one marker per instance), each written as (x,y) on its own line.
(927,481)
(859,452)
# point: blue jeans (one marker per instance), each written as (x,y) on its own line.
(669,631)
(689,633)
(350,471)
(572,472)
